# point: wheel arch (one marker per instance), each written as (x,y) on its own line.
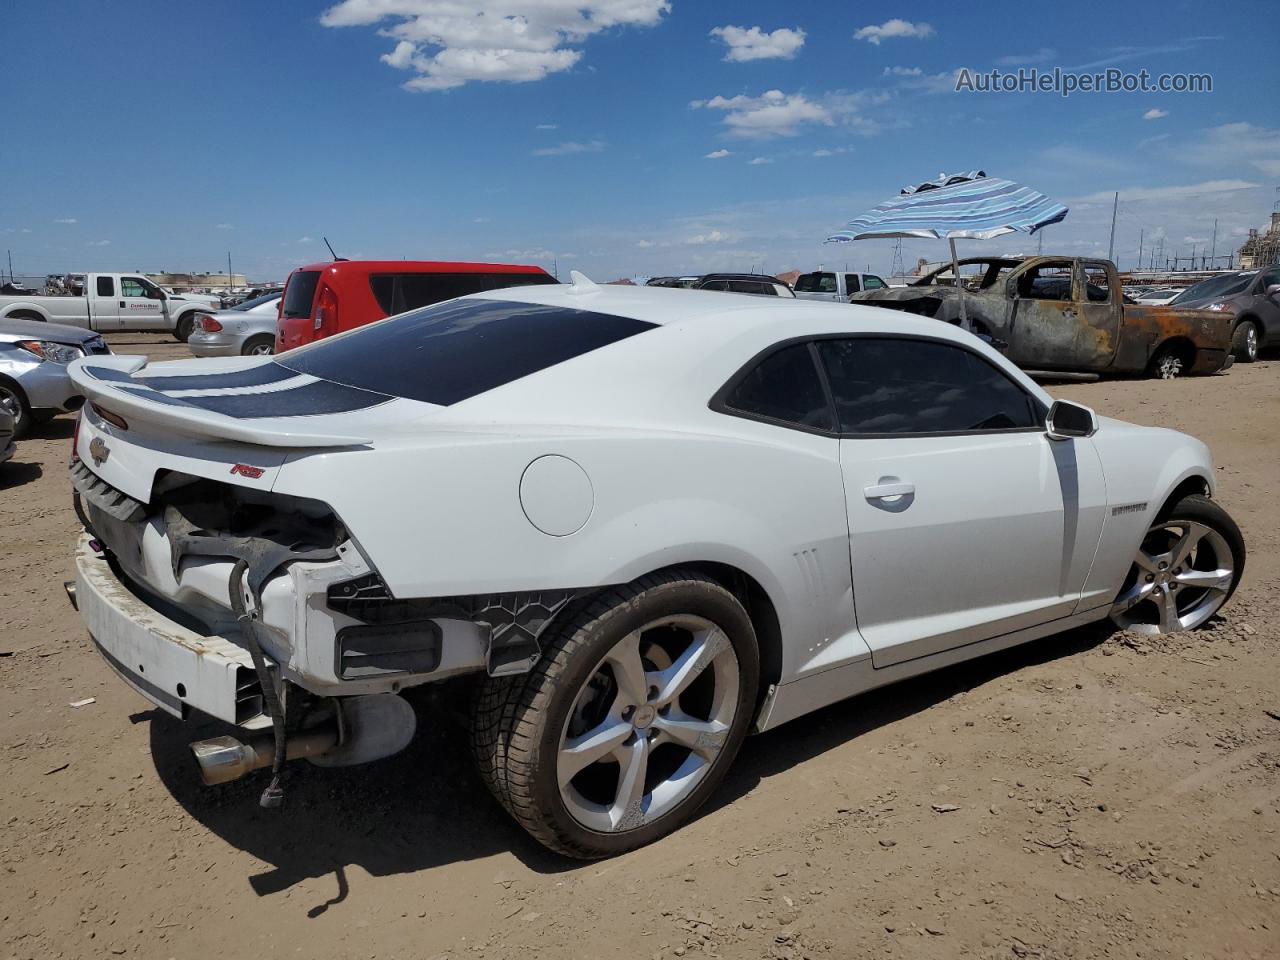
(1194,484)
(1255,320)
(26,311)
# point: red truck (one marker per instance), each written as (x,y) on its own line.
(327,298)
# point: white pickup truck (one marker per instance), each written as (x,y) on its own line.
(829,285)
(108,302)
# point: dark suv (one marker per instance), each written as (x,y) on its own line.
(760,284)
(1252,296)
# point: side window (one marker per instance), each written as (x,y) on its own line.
(132,287)
(1096,284)
(1269,278)
(106,286)
(904,386)
(716,285)
(873,283)
(1048,281)
(784,386)
(851,284)
(399,292)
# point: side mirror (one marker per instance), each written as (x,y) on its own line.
(1273,291)
(1067,421)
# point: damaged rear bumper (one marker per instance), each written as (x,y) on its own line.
(174,667)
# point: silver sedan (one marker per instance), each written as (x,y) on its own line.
(248,329)
(34,385)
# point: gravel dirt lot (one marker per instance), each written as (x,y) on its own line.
(1089,795)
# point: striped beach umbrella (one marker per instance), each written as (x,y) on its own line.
(964,206)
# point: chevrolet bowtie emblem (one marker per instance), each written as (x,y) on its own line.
(99,451)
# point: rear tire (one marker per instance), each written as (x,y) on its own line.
(263,345)
(523,727)
(1244,341)
(1168,363)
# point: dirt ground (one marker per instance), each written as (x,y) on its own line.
(1090,795)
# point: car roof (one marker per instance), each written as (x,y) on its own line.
(767,278)
(420,266)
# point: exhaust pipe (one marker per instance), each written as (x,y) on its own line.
(370,727)
(223,759)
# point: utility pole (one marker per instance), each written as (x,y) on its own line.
(1213,255)
(1141,236)
(231,284)
(1115,206)
(10,253)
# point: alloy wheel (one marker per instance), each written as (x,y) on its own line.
(1182,574)
(649,724)
(1251,342)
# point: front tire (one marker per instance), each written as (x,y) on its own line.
(1188,566)
(1244,341)
(15,402)
(186,323)
(260,346)
(629,721)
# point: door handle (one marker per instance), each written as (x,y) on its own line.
(122,303)
(882,491)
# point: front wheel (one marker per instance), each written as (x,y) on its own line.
(1244,341)
(630,720)
(186,323)
(1187,567)
(13,400)
(259,346)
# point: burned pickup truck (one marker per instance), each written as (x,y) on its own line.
(1052,314)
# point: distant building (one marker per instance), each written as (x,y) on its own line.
(199,281)
(1262,249)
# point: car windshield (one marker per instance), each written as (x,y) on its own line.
(458,349)
(1216,287)
(257,301)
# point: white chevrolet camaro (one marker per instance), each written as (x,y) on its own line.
(632,523)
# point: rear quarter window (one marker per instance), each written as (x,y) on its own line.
(399,292)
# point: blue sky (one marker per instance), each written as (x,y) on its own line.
(160,135)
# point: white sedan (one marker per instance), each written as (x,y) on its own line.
(633,523)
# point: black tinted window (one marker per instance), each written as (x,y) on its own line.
(784,386)
(919,386)
(451,351)
(398,292)
(300,292)
(851,283)
(106,286)
(816,283)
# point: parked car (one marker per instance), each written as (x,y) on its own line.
(105,302)
(34,384)
(633,523)
(1158,296)
(829,285)
(1053,314)
(686,281)
(1251,297)
(758,284)
(248,329)
(7,445)
(328,298)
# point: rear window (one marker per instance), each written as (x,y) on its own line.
(300,293)
(449,352)
(816,283)
(398,292)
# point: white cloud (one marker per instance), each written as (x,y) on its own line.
(481,220)
(99,243)
(1191,239)
(1164,194)
(718,154)
(1043,55)
(305,240)
(893,28)
(570,147)
(1155,113)
(752,43)
(547,126)
(832,151)
(448,43)
(759,161)
(772,114)
(1234,143)
(902,72)
(222,226)
(644,244)
(67,220)
(715,236)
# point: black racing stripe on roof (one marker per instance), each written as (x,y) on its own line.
(257,376)
(313,399)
